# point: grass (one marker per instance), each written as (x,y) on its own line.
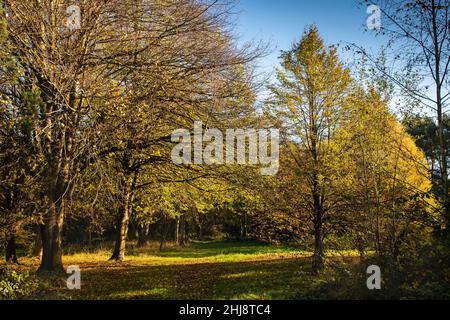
(204,270)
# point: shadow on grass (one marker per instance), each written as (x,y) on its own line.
(242,270)
(269,279)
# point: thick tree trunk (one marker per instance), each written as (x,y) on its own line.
(11,254)
(122,232)
(58,156)
(51,238)
(58,185)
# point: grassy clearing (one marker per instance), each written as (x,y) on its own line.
(204,270)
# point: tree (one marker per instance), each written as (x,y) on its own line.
(425,131)
(58,66)
(19,165)
(97,89)
(310,102)
(419,30)
(384,183)
(198,75)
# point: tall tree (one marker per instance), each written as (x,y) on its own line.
(384,182)
(310,101)
(420,31)
(99,82)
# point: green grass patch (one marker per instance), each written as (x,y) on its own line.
(203,270)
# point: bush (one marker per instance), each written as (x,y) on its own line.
(16,285)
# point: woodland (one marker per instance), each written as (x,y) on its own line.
(87,115)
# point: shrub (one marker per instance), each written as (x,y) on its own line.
(16,285)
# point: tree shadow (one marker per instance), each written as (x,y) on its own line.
(269,279)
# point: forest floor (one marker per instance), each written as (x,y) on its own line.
(203,270)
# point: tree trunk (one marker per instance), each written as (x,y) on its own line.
(37,249)
(245,225)
(441,130)
(11,254)
(51,237)
(183,238)
(124,219)
(122,232)
(241,228)
(143,235)
(51,230)
(317,195)
(177,230)
(318,257)
(164,231)
(185,232)
(200,230)
(360,246)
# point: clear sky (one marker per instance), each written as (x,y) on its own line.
(281,22)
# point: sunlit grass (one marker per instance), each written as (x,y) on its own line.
(203,270)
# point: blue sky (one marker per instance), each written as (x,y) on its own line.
(281,22)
